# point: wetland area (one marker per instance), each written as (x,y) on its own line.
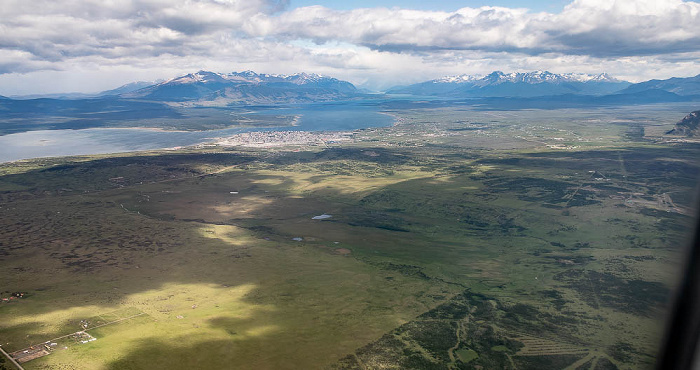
(457,238)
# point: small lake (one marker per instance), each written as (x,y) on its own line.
(344,116)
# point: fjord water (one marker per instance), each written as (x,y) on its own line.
(344,116)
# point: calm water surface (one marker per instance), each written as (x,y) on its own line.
(55,143)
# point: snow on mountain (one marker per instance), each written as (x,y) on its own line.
(458,79)
(248,77)
(526,77)
(201,77)
(584,77)
(303,78)
(536,83)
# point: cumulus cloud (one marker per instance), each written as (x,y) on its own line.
(596,27)
(627,28)
(60,30)
(22,61)
(402,30)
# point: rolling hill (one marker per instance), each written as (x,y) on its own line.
(688,126)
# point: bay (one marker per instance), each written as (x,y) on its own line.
(343,116)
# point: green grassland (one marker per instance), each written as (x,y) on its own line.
(458,239)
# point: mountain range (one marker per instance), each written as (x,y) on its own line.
(528,89)
(529,84)
(209,88)
(205,88)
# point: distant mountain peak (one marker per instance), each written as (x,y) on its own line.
(303,78)
(534,77)
(200,76)
(457,79)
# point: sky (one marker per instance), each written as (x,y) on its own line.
(59,46)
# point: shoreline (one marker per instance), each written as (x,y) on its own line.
(301,130)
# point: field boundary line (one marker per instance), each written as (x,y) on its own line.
(116,321)
(81,331)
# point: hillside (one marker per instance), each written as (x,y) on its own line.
(677,85)
(688,126)
(124,89)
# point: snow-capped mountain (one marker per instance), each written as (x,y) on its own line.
(203,77)
(527,84)
(527,77)
(250,77)
(465,78)
(584,77)
(247,87)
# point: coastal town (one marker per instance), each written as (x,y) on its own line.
(266,139)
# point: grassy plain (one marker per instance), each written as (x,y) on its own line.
(458,238)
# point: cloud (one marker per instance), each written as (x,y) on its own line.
(60,30)
(627,28)
(595,27)
(19,61)
(486,28)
